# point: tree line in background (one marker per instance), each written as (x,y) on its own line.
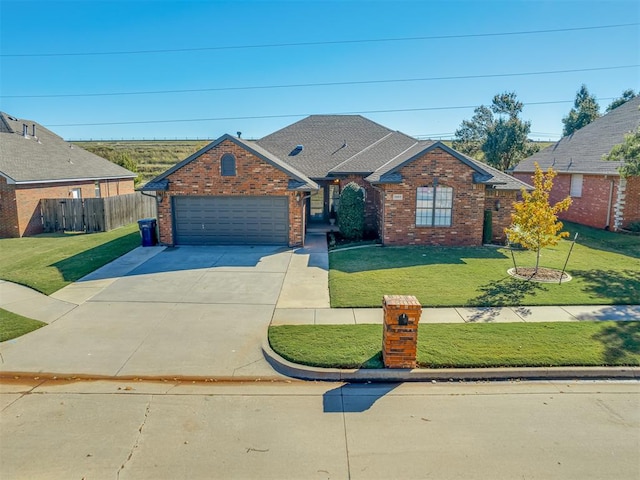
(499,136)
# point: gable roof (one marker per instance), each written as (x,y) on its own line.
(46,157)
(582,151)
(299,181)
(483,173)
(327,141)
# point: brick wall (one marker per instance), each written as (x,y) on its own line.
(631,201)
(253,177)
(592,207)
(500,219)
(28,199)
(399,227)
(8,210)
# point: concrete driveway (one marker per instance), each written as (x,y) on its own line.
(184,311)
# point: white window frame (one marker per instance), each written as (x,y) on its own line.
(434,206)
(75,193)
(577,180)
(97,189)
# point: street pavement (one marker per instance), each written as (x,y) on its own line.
(203,312)
(309,430)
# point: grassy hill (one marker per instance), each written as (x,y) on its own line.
(152,157)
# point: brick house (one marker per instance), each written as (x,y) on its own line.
(601,198)
(35,163)
(269,190)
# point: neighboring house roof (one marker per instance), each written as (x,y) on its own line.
(299,181)
(582,151)
(45,157)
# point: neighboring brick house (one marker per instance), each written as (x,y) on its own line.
(600,197)
(267,191)
(35,163)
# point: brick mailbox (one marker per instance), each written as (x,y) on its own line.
(400,330)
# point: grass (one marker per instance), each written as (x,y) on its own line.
(466,345)
(13,325)
(51,261)
(605,267)
(151,156)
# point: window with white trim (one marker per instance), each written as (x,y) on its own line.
(228,165)
(576,185)
(434,206)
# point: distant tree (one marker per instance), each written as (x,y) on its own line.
(585,110)
(629,153)
(534,222)
(624,98)
(351,211)
(498,132)
(124,160)
(472,134)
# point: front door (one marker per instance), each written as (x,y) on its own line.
(316,208)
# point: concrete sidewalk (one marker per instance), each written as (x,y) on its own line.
(358,316)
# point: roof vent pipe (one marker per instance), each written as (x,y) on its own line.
(25,130)
(33,134)
(239,134)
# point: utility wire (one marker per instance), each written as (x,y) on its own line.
(328,42)
(324,84)
(260,117)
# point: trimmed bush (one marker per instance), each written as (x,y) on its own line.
(351,211)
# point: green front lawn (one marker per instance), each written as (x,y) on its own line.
(605,268)
(51,261)
(13,325)
(466,345)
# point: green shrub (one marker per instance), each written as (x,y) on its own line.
(634,227)
(351,211)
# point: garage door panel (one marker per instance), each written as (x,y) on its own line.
(231,220)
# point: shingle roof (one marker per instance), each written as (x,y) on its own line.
(389,172)
(582,151)
(46,157)
(327,141)
(300,180)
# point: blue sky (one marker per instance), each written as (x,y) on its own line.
(56,27)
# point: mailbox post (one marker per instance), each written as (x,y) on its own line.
(400,330)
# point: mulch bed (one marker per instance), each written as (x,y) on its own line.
(545,275)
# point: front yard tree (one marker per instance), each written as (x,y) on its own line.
(534,223)
(585,110)
(351,211)
(498,132)
(629,153)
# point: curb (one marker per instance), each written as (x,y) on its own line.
(356,375)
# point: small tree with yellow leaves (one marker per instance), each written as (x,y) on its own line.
(534,223)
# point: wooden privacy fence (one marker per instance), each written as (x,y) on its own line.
(95,214)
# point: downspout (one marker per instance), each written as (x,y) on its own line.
(383,201)
(609,206)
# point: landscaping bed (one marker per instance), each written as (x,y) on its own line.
(466,345)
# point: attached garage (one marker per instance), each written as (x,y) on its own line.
(228,220)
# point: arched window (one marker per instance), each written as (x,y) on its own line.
(434,206)
(228,165)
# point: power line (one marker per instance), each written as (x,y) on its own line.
(328,42)
(261,117)
(324,84)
